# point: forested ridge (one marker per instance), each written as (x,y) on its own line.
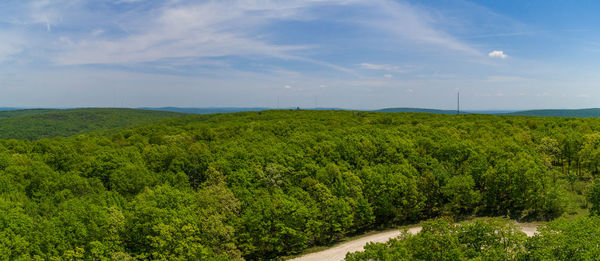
(258,185)
(35,124)
(591,112)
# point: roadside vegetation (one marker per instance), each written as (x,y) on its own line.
(490,239)
(258,185)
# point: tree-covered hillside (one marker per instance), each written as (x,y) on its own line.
(25,112)
(205,110)
(581,113)
(258,185)
(47,123)
(422,110)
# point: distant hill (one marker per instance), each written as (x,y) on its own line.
(10,109)
(48,123)
(581,113)
(209,110)
(10,113)
(417,110)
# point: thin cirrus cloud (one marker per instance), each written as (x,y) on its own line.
(384,67)
(417,26)
(368,47)
(10,46)
(204,30)
(179,29)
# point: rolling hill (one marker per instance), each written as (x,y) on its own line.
(209,110)
(47,123)
(422,110)
(577,113)
(4,114)
(580,113)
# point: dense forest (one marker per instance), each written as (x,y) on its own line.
(259,185)
(11,113)
(35,124)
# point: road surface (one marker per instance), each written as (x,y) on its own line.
(338,252)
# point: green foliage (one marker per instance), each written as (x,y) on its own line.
(256,185)
(566,240)
(28,112)
(594,197)
(441,239)
(462,195)
(42,123)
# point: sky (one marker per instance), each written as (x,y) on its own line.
(356,54)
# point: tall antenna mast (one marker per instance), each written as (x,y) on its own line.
(458,103)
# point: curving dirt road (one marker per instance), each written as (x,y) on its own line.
(338,252)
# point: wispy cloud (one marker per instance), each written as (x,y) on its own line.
(201,30)
(183,30)
(384,67)
(258,47)
(500,35)
(416,25)
(10,45)
(48,12)
(504,78)
(175,29)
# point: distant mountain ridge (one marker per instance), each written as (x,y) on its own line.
(207,110)
(10,112)
(36,124)
(578,113)
(420,110)
(210,110)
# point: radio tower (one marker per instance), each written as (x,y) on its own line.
(458,103)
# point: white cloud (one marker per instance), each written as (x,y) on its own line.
(497,54)
(385,67)
(287,86)
(388,76)
(372,66)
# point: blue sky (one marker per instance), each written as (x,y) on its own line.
(325,53)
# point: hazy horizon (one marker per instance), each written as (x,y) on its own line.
(354,54)
(294,107)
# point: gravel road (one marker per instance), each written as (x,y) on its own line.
(338,252)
